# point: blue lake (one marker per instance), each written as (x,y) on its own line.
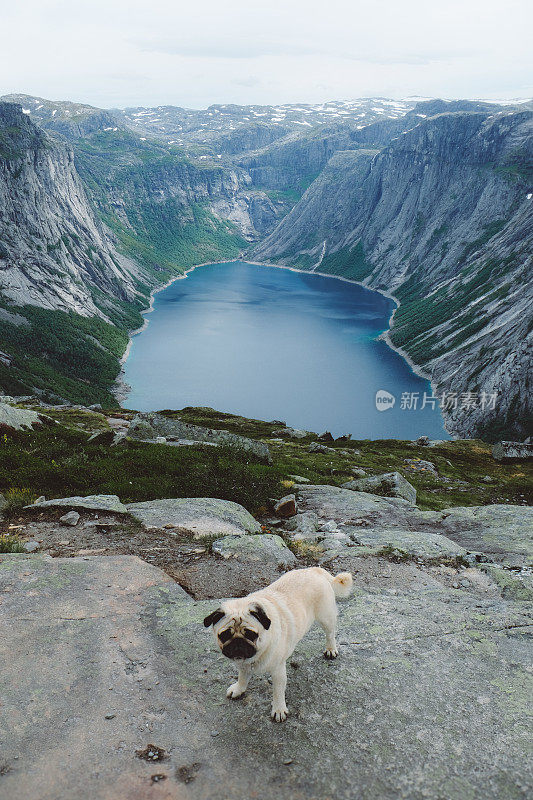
(271,343)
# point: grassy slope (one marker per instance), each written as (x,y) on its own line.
(58,460)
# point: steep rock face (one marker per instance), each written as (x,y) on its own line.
(226,193)
(443,217)
(53,250)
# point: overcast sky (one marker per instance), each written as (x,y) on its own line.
(126,52)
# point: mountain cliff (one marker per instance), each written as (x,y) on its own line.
(55,252)
(442,217)
(62,281)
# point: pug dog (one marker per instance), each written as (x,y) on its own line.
(259,632)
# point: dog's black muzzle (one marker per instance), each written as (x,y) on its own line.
(238,648)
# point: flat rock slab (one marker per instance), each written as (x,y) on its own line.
(105,655)
(94,502)
(354,507)
(265,548)
(399,544)
(200,516)
(504,533)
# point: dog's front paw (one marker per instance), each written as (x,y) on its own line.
(235,691)
(331,654)
(279,714)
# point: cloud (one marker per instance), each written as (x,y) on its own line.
(250,82)
(220,48)
(130,52)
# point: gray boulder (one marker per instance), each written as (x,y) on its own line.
(419,465)
(267,548)
(198,516)
(150,426)
(291,433)
(512,451)
(93,502)
(513,586)
(304,525)
(316,447)
(390,484)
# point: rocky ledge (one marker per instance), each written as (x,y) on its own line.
(112,688)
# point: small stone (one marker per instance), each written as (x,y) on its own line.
(358,472)
(160,439)
(286,507)
(110,716)
(71,518)
(422,441)
(288,761)
(31,546)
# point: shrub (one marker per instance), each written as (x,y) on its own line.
(16,499)
(10,544)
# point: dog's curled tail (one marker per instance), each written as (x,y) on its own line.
(342,584)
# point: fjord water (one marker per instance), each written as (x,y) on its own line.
(272,343)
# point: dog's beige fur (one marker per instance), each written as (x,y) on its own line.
(273,620)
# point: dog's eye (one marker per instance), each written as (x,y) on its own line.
(225,635)
(251,635)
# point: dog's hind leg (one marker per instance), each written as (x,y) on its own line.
(327,619)
(238,688)
(279,684)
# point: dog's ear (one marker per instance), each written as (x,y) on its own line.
(260,615)
(214,617)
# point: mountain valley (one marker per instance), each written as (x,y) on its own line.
(427,200)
